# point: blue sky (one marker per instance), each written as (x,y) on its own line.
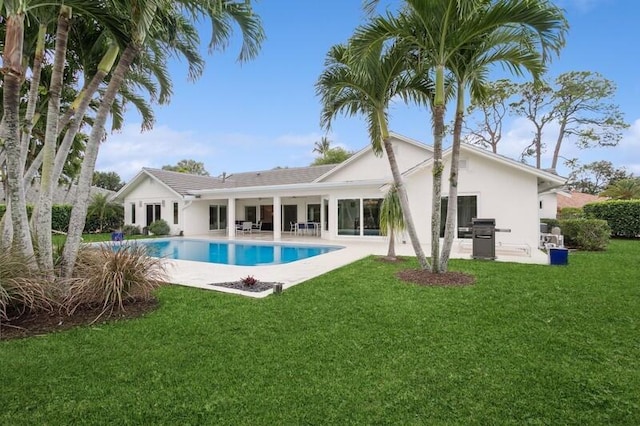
(264,113)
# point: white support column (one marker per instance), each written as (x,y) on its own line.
(277,218)
(231,218)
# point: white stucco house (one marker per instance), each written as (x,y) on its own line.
(344,199)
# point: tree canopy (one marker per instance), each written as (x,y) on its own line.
(191,167)
(107,180)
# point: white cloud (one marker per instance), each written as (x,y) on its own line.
(128,151)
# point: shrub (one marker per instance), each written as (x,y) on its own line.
(249,280)
(623,216)
(159,227)
(570,213)
(108,277)
(586,234)
(131,230)
(60,215)
(21,288)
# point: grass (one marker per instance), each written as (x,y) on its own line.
(527,344)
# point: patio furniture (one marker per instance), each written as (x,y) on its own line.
(246,227)
(257,226)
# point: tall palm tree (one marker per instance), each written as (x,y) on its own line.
(365,85)
(440,33)
(15,13)
(391,219)
(515,35)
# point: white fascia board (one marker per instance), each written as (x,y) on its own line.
(290,188)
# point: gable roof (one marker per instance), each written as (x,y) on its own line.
(184,183)
(369,148)
(547,180)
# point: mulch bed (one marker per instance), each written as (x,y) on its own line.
(445,279)
(41,323)
(239,285)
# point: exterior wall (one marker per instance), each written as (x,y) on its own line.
(504,193)
(548,205)
(150,191)
(369,166)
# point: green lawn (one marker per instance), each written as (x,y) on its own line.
(527,344)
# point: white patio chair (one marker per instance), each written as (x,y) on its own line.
(247,226)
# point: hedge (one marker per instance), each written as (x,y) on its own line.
(61,213)
(623,216)
(586,234)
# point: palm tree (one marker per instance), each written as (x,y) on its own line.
(516,36)
(444,34)
(391,219)
(101,208)
(149,28)
(624,189)
(365,85)
(322,146)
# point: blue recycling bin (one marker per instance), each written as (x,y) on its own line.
(558,256)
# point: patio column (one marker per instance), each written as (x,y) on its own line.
(231,218)
(277,218)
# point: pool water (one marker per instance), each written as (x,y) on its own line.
(232,253)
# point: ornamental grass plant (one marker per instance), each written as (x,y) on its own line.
(112,277)
(21,289)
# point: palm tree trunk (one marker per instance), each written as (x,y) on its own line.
(438,168)
(13,77)
(79,212)
(32,99)
(391,251)
(452,203)
(404,202)
(80,107)
(42,212)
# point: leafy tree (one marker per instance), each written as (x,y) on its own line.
(624,189)
(595,177)
(391,219)
(581,105)
(486,131)
(107,180)
(192,167)
(329,155)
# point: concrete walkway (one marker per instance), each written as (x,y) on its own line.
(202,274)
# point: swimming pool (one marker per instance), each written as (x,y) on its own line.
(232,253)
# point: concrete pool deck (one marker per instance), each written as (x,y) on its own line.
(202,274)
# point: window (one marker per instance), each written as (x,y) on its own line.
(467,210)
(349,222)
(250,214)
(313,213)
(217,217)
(371,214)
(349,217)
(153,213)
(175,213)
(133,213)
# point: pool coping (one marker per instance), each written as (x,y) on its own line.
(202,275)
